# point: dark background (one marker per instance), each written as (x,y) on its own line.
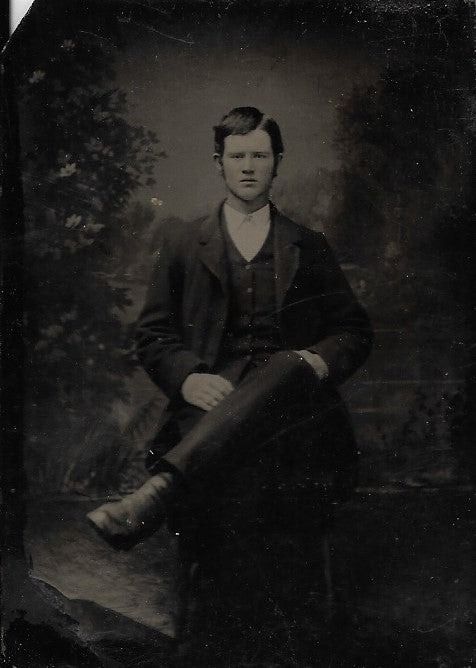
(109,124)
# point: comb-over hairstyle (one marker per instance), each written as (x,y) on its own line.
(240,121)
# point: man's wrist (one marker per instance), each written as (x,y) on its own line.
(317,362)
(320,366)
(197,369)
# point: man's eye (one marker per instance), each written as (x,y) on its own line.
(261,155)
(236,155)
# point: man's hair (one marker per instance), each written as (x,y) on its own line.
(240,121)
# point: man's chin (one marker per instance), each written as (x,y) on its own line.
(249,194)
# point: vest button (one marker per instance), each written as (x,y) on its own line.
(249,290)
(247,266)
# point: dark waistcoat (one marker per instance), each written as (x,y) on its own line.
(252,327)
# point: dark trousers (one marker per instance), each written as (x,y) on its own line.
(280,422)
(256,468)
(271,398)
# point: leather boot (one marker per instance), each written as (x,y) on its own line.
(137,516)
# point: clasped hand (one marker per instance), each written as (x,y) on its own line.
(205,390)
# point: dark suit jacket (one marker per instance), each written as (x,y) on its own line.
(182,325)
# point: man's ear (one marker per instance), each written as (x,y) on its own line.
(277,161)
(218,162)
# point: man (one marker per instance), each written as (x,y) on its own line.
(249,325)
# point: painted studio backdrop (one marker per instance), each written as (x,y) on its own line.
(116,140)
(116,106)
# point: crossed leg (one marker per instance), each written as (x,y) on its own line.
(268,401)
(261,406)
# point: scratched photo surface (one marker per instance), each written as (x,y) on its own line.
(112,108)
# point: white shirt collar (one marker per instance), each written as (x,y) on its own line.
(235,218)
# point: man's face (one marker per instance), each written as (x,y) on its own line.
(248,167)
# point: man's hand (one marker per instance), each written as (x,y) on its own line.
(205,390)
(316,361)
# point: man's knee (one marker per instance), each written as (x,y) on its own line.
(290,363)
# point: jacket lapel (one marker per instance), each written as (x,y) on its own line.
(212,248)
(286,251)
(286,254)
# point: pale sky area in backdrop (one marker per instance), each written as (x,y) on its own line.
(181,83)
(18,9)
(181,87)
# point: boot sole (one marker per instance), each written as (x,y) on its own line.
(119,543)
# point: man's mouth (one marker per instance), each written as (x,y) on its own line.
(248,181)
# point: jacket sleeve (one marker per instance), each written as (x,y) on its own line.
(160,346)
(348,334)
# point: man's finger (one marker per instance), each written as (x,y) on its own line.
(212,395)
(222,384)
(215,390)
(211,403)
(204,405)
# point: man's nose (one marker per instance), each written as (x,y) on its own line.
(247,165)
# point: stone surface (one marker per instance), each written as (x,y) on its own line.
(404,586)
